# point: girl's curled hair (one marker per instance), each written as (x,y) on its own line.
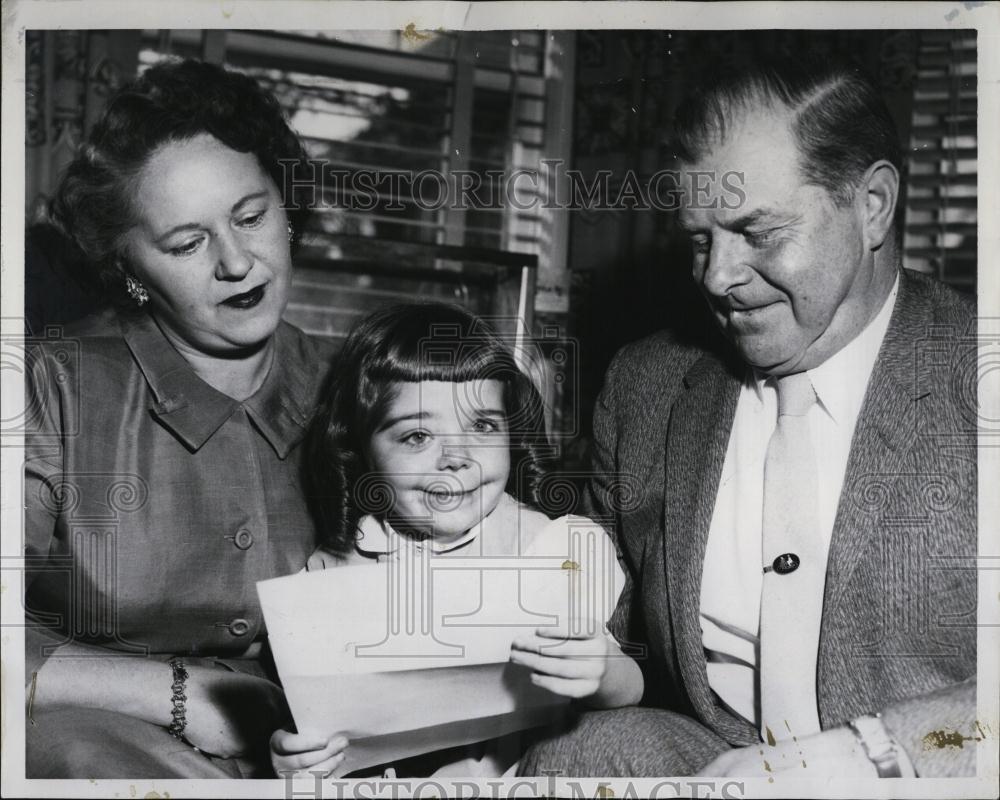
(410,343)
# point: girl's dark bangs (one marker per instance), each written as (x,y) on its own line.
(455,362)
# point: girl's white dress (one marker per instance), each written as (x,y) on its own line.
(511,529)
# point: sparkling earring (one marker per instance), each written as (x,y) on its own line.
(136,290)
(291,233)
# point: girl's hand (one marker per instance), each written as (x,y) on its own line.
(306,753)
(570,664)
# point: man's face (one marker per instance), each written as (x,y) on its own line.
(787,273)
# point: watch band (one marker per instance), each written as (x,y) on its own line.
(881,749)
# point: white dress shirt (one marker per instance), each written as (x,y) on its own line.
(732,576)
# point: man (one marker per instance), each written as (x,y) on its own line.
(802,567)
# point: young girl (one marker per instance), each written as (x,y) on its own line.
(430,431)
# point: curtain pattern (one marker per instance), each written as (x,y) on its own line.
(68,77)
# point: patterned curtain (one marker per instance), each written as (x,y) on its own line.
(68,77)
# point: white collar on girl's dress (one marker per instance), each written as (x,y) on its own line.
(378,537)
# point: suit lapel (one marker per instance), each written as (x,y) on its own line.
(882,438)
(697,438)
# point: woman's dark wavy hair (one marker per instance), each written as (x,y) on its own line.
(95,203)
(409,343)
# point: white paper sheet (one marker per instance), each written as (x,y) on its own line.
(411,656)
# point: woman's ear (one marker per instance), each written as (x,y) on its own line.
(881,193)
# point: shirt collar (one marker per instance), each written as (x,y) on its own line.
(282,407)
(840,382)
(378,537)
(193,411)
(182,402)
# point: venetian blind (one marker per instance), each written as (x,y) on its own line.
(940,234)
(391,118)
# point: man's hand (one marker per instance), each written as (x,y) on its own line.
(293,753)
(835,752)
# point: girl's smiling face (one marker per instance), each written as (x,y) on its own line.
(444,451)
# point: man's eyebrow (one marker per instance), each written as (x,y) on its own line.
(744,221)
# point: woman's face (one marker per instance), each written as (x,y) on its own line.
(211,246)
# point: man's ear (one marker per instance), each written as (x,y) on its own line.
(881,191)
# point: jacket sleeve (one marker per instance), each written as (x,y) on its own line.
(599,502)
(938,730)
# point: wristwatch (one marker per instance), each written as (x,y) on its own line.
(882,750)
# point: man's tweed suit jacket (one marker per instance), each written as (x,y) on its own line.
(900,600)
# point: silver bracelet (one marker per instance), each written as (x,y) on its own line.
(178,699)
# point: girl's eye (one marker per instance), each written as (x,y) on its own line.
(485,426)
(416,439)
(253,221)
(186,249)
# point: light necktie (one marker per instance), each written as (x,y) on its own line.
(794,570)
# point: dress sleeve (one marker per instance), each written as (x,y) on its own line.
(587,550)
(44,491)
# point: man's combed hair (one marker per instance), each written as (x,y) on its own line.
(839,119)
(400,344)
(171,102)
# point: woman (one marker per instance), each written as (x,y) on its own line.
(163,480)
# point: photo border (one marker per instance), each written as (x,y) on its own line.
(19,15)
